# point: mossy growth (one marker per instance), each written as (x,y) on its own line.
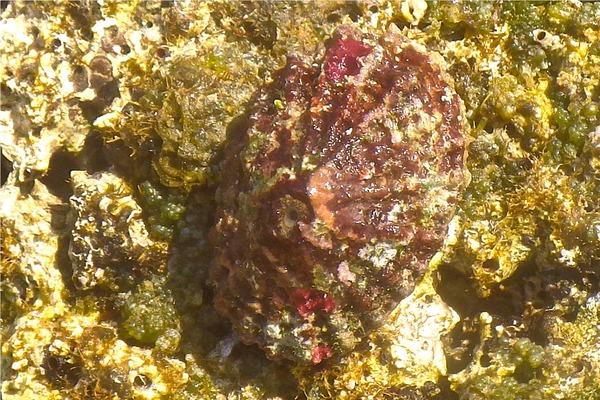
(163,208)
(15,295)
(515,365)
(543,222)
(507,365)
(531,94)
(149,315)
(181,101)
(462,19)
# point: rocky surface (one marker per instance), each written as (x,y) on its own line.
(114,117)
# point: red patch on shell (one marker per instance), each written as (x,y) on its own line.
(343,58)
(321,353)
(307,301)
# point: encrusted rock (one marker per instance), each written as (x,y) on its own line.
(109,238)
(336,194)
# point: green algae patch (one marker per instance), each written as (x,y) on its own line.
(506,366)
(149,315)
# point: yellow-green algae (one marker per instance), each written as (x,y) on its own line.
(131,102)
(507,365)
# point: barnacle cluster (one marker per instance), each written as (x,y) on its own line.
(115,118)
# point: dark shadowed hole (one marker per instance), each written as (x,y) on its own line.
(544,299)
(91,110)
(579,366)
(142,381)
(491,264)
(512,131)
(263,35)
(423,24)
(83,15)
(5,96)
(537,330)
(333,18)
(53,362)
(570,316)
(61,372)
(109,310)
(56,43)
(462,340)
(95,157)
(453,32)
(217,17)
(109,91)
(524,373)
(162,52)
(80,78)
(292,215)
(485,360)
(458,292)
(489,127)
(355,12)
(541,35)
(36,131)
(6,168)
(136,95)
(58,175)
(401,23)
(527,109)
(446,393)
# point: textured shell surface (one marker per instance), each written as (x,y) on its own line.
(336,193)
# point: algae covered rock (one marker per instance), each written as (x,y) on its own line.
(149,97)
(149,315)
(404,358)
(507,366)
(337,193)
(109,238)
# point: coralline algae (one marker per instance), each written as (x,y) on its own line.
(336,194)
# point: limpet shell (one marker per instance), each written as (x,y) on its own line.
(336,194)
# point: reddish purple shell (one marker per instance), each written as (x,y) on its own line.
(336,194)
